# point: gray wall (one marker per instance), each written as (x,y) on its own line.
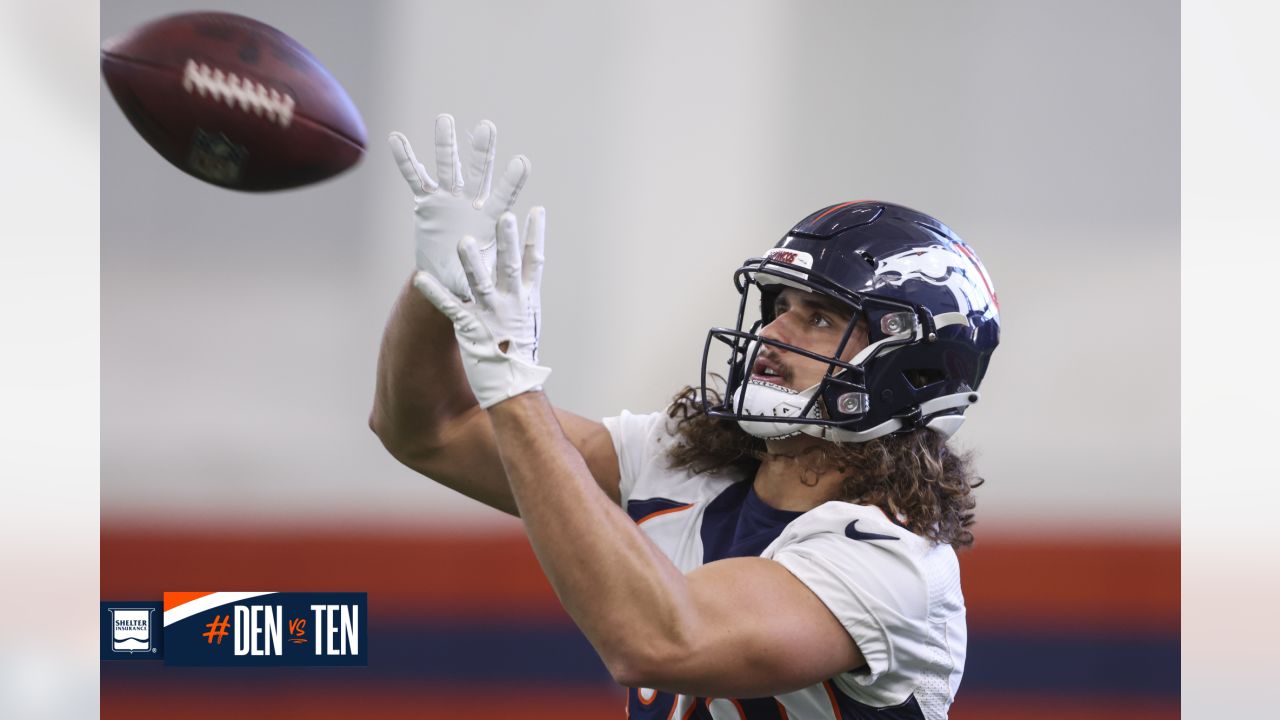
(669,141)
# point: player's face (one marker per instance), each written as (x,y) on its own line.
(812,322)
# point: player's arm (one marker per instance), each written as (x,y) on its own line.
(427,417)
(732,629)
(744,627)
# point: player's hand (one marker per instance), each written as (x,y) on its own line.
(498,331)
(449,207)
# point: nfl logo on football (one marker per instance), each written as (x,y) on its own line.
(131,630)
(214,157)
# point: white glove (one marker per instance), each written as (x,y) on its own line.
(444,212)
(498,331)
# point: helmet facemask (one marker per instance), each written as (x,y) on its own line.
(839,406)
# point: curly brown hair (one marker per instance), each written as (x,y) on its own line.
(913,477)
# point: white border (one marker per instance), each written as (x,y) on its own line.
(207,602)
(1230,252)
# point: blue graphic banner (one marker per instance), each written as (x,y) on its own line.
(266,629)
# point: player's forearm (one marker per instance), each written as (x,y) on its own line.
(420,383)
(626,596)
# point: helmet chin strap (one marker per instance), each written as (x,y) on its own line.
(768,400)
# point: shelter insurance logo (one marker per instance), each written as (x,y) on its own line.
(265,628)
(131,631)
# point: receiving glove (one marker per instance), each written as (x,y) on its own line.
(444,212)
(497,332)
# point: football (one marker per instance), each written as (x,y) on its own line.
(233,102)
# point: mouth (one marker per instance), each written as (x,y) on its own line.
(768,371)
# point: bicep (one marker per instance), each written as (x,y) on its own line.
(759,631)
(466,458)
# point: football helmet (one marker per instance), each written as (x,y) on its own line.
(932,321)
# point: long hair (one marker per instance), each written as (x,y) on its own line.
(915,478)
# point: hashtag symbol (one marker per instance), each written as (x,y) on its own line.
(217,628)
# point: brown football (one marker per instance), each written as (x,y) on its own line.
(233,102)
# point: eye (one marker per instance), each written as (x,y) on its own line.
(819,320)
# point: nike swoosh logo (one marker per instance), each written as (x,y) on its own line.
(853,533)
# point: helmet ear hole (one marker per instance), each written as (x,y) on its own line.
(924,377)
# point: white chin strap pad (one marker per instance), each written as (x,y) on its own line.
(769,400)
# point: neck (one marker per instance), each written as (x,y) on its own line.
(786,478)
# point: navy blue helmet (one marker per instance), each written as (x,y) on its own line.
(932,322)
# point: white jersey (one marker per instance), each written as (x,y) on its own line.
(896,593)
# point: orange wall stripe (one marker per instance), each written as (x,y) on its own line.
(404,574)
(1008,582)
(1134,585)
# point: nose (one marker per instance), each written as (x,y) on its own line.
(778,330)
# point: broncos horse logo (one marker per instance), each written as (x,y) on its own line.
(955,268)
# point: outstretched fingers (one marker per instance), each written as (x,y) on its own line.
(414,174)
(508,187)
(448,166)
(508,264)
(484,148)
(535,234)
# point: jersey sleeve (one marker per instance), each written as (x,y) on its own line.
(866,571)
(640,441)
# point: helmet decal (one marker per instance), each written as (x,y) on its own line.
(796,259)
(791,257)
(982,273)
(938,265)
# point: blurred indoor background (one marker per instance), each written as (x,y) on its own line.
(669,141)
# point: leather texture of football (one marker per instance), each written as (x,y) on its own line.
(233,102)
